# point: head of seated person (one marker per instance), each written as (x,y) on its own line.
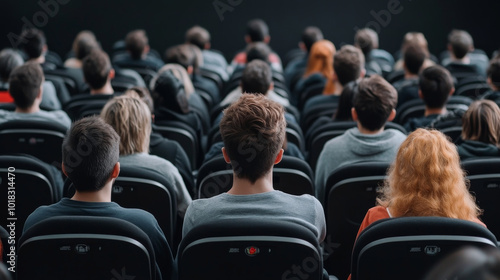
(345,104)
(181,74)
(199,37)
(413,59)
(85,42)
(257,77)
(348,65)
(426,179)
(34,44)
(257,31)
(98,72)
(253,132)
(9,60)
(321,61)
(435,87)
(131,119)
(310,35)
(366,40)
(25,87)
(460,43)
(98,168)
(186,55)
(374,104)
(137,44)
(258,50)
(169,93)
(412,39)
(494,74)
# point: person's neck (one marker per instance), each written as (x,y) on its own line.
(338,88)
(245,187)
(29,110)
(40,59)
(434,111)
(409,76)
(106,89)
(463,60)
(363,130)
(102,195)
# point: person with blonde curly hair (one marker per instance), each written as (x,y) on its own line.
(425,180)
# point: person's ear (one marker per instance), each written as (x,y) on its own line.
(64,170)
(111,74)
(146,49)
(271,86)
(420,95)
(152,118)
(279,157)
(452,91)
(354,114)
(207,46)
(226,157)
(248,40)
(302,46)
(190,69)
(335,77)
(116,170)
(392,115)
(363,73)
(267,39)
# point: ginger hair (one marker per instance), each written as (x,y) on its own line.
(321,61)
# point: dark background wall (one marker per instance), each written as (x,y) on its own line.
(166,20)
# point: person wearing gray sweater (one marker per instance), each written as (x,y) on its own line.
(374,105)
(253,131)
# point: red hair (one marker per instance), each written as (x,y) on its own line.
(321,61)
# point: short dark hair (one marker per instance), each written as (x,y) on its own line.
(257,30)
(96,67)
(366,40)
(311,35)
(461,43)
(374,102)
(135,42)
(168,92)
(346,99)
(348,63)
(90,151)
(414,57)
(494,72)
(85,42)
(24,84)
(198,36)
(32,42)
(258,50)
(257,77)
(183,55)
(9,60)
(253,131)
(435,83)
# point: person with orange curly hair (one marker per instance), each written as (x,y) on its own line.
(425,180)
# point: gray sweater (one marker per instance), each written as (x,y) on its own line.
(353,146)
(275,205)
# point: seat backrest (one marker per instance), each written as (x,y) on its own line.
(349,192)
(407,247)
(27,183)
(39,138)
(184,135)
(76,107)
(249,249)
(484,177)
(472,90)
(145,189)
(81,247)
(291,175)
(416,108)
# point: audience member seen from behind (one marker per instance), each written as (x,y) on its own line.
(469,263)
(460,46)
(480,131)
(92,177)
(425,180)
(200,37)
(414,38)
(413,59)
(131,119)
(9,60)
(319,69)
(374,105)
(137,56)
(493,81)
(255,123)
(435,88)
(84,43)
(26,88)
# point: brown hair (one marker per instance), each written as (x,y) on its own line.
(253,131)
(426,180)
(24,84)
(135,42)
(96,67)
(374,102)
(481,122)
(198,36)
(321,61)
(348,63)
(84,43)
(366,39)
(131,119)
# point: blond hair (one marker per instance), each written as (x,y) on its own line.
(426,180)
(131,119)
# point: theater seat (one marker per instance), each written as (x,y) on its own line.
(408,247)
